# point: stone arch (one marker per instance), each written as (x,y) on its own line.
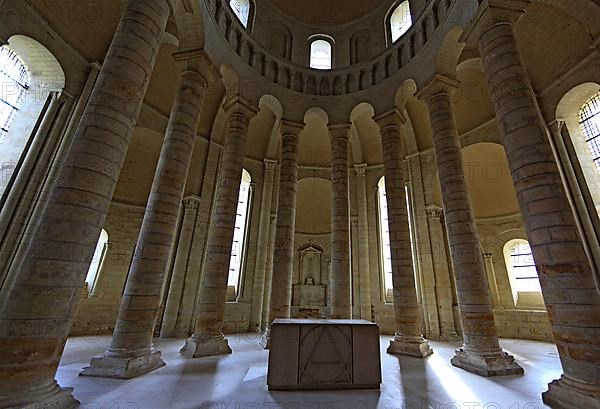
(449,53)
(46,83)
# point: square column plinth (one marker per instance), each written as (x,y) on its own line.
(324,354)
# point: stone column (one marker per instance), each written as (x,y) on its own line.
(269,272)
(408,339)
(131,352)
(190,211)
(341,305)
(36,315)
(263,245)
(363,242)
(481,352)
(491,278)
(443,282)
(283,257)
(569,284)
(208,338)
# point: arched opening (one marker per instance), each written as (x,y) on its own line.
(91,279)
(321,53)
(243,10)
(31,80)
(385,239)
(238,248)
(589,119)
(523,275)
(399,21)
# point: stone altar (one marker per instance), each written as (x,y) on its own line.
(324,354)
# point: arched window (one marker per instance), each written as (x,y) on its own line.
(589,118)
(321,54)
(384,238)
(238,247)
(241,8)
(14,79)
(99,255)
(521,267)
(399,21)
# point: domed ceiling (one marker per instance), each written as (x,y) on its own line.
(326,12)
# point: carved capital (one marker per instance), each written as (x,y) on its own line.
(270,164)
(440,85)
(340,131)
(354,221)
(389,120)
(191,202)
(291,127)
(361,169)
(434,212)
(487,256)
(238,105)
(492,12)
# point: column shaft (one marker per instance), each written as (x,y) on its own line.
(263,246)
(481,352)
(341,307)
(363,242)
(569,284)
(180,268)
(39,308)
(131,351)
(283,258)
(408,339)
(208,338)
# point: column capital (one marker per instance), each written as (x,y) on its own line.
(434,211)
(338,131)
(273,218)
(291,127)
(487,256)
(270,164)
(393,118)
(361,169)
(439,85)
(354,221)
(191,202)
(492,12)
(239,105)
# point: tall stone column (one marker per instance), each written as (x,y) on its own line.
(283,257)
(491,278)
(37,313)
(569,284)
(341,295)
(408,339)
(269,272)
(363,242)
(131,352)
(208,338)
(443,283)
(182,257)
(263,245)
(481,352)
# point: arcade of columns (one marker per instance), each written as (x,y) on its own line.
(43,297)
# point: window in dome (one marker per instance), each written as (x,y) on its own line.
(239,236)
(99,255)
(321,55)
(14,79)
(400,21)
(241,8)
(589,118)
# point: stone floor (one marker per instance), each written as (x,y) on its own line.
(238,381)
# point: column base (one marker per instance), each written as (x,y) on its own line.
(48,398)
(496,363)
(567,393)
(265,339)
(196,347)
(123,367)
(412,346)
